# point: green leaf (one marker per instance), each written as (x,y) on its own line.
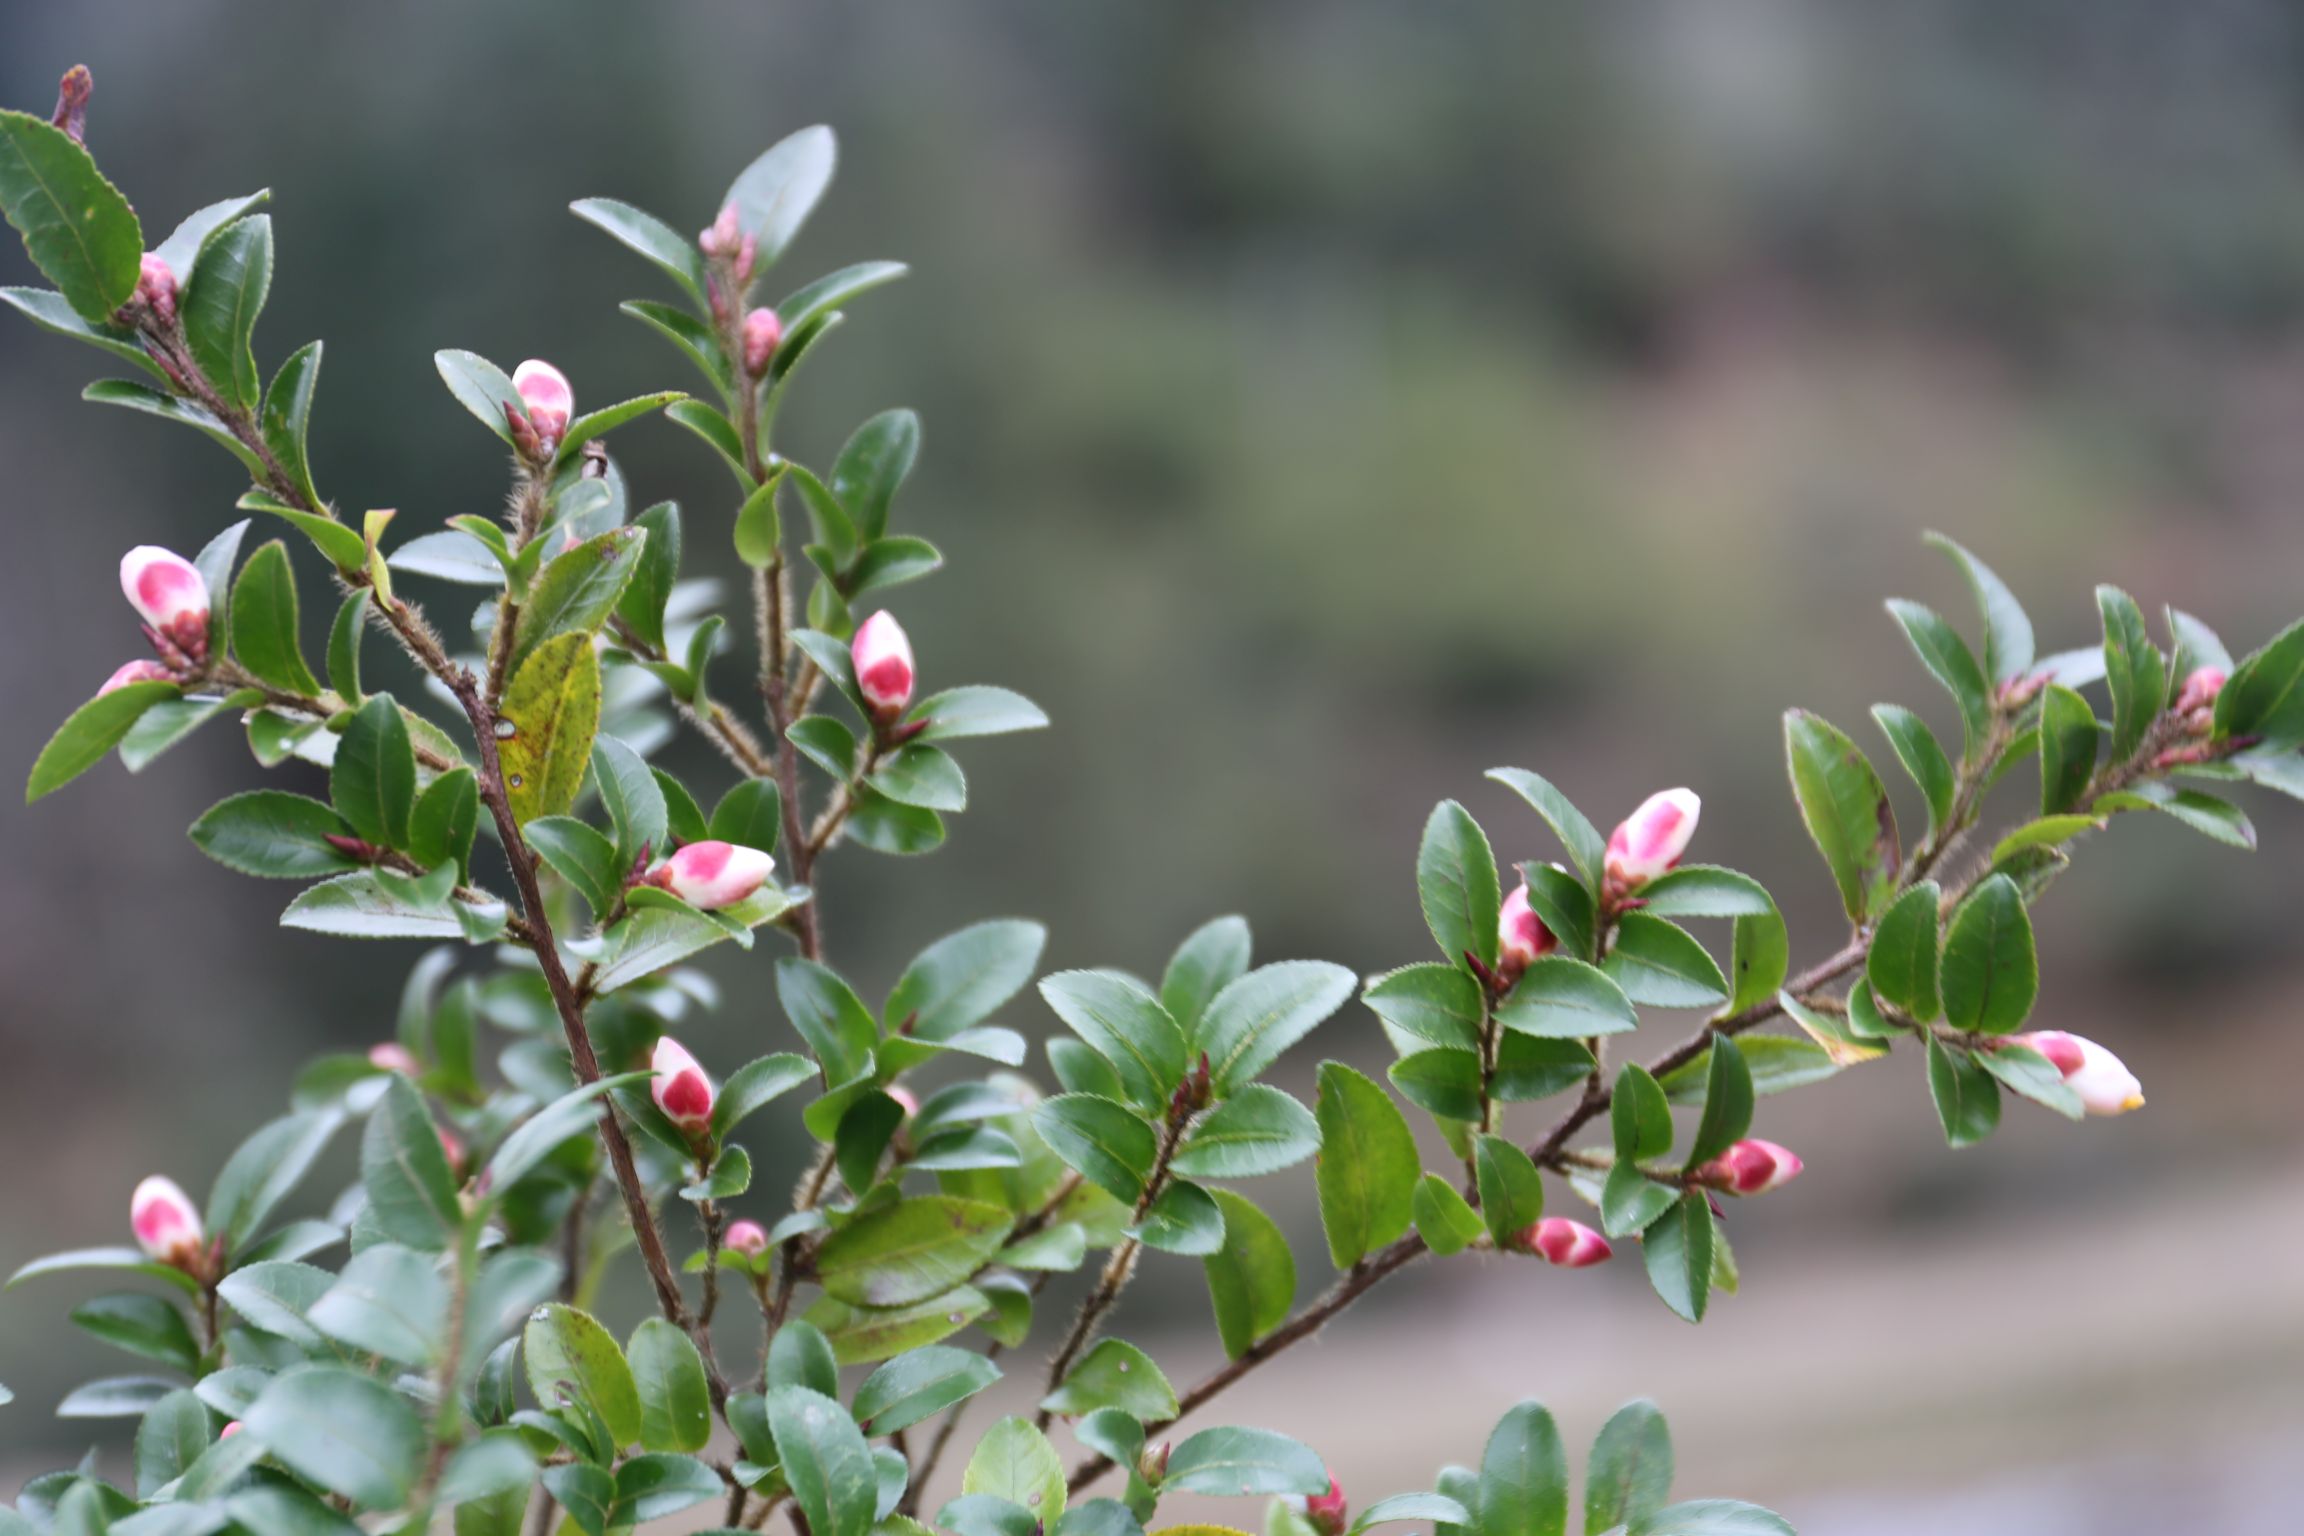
(632,798)
(1587,849)
(1639,1119)
(2068,734)
(1523,1488)
(2046,832)
(861,1334)
(175,1432)
(581,856)
(1629,1475)
(51,311)
(925,776)
(911,1250)
(655,571)
(1847,813)
(1258,1130)
(1511,1190)
(1251,1279)
(599,423)
(959,980)
(1107,1144)
(570,1358)
(651,1487)
(918,1385)
(2219,819)
(756,1083)
(1565,905)
(553,709)
(444,821)
(2134,670)
(830,291)
(885,826)
(838,1027)
(1252,1021)
(1659,965)
(77,228)
(1705,890)
(1678,1249)
(1630,1201)
(773,198)
(1444,1082)
(974,710)
(2264,697)
(1714,1517)
(1728,1098)
(1917,749)
(668,1374)
(264,621)
(1114,1374)
(271,833)
(91,731)
(826,1461)
(1456,881)
(390,1302)
(348,1433)
(1760,955)
(1949,661)
(1015,1462)
(1966,1097)
(344,636)
(1368,1165)
(1902,964)
(142,1325)
(222,297)
(872,464)
(287,420)
(1528,1068)
(1443,1219)
(1127,1027)
(2008,645)
(586,1492)
(152,402)
(480,387)
(1562,999)
(1990,974)
(411,1193)
(1183,1219)
(1234,1462)
(803,1357)
(358,906)
(263,1170)
(1438,1003)
(373,780)
(577,591)
(2034,1076)
(648,235)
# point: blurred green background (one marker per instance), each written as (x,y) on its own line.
(1324,403)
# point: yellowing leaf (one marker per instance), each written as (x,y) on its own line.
(544,733)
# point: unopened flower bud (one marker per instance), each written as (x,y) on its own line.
(762,332)
(1521,937)
(452,1147)
(680,1087)
(1152,1462)
(168,593)
(1751,1168)
(905,1098)
(550,402)
(713,874)
(883,658)
(228,1431)
(167,1223)
(392,1056)
(2199,690)
(1651,840)
(2101,1079)
(724,235)
(1569,1244)
(746,1237)
(156,286)
(1328,1511)
(140,671)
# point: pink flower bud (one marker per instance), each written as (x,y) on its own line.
(713,874)
(746,1237)
(724,235)
(1651,840)
(1569,1244)
(906,1100)
(762,332)
(883,658)
(1328,1511)
(680,1087)
(2103,1081)
(142,671)
(392,1056)
(544,391)
(1751,1168)
(2199,690)
(1521,937)
(167,1223)
(452,1147)
(169,595)
(228,1431)
(156,286)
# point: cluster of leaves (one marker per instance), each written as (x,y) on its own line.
(453,1359)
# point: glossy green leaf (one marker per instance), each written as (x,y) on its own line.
(1705,890)
(1368,1165)
(1442,1081)
(152,402)
(570,1358)
(91,731)
(175,1432)
(373,780)
(650,236)
(1562,999)
(577,591)
(1184,1218)
(2068,736)
(2134,670)
(1760,956)
(1923,758)
(1629,1474)
(1523,1487)
(1659,965)
(1258,1130)
(263,1170)
(271,833)
(1846,811)
(1445,1221)
(223,295)
(825,1460)
(77,228)
(142,1325)
(1456,881)
(480,387)
(1232,1462)
(1678,1250)
(1114,1374)
(918,1385)
(1630,1201)
(975,710)
(2264,697)
(1127,1026)
(1511,1190)
(668,1374)
(1950,662)
(286,420)
(1587,850)
(264,621)
(51,311)
(1639,1118)
(390,1302)
(773,197)
(1989,972)
(411,1192)
(1252,1278)
(347,1433)
(2008,644)
(911,1250)
(921,775)
(1966,1096)
(1257,1017)
(1902,962)
(1438,1003)
(1728,1096)
(959,980)
(872,464)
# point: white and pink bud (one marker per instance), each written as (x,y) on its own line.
(167,1223)
(452,1148)
(392,1056)
(2199,691)
(1568,1244)
(1521,937)
(906,1099)
(156,286)
(1651,840)
(139,671)
(167,592)
(1328,1512)
(2101,1079)
(548,399)
(748,1238)
(1751,1167)
(680,1087)
(712,874)
(228,1431)
(724,236)
(883,657)
(763,333)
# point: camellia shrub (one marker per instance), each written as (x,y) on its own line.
(426,1347)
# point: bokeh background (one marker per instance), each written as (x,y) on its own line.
(1324,403)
